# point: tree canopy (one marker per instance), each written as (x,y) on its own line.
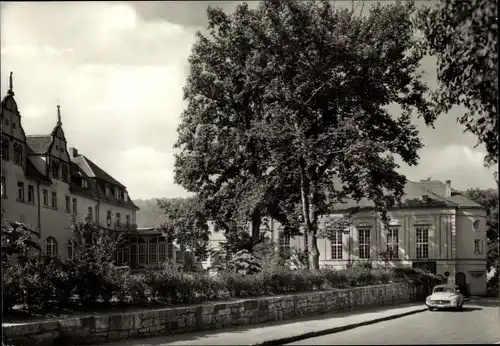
(463,35)
(184,222)
(287,104)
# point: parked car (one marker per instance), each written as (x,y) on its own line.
(445,296)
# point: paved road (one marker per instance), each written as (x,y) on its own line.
(477,323)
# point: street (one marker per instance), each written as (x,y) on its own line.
(477,323)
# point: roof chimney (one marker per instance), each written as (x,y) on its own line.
(73,152)
(448,189)
(425,198)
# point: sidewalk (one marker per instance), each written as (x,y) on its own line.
(279,333)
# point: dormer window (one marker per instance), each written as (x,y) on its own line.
(5,149)
(55,169)
(85,184)
(125,197)
(65,173)
(107,190)
(18,154)
(118,194)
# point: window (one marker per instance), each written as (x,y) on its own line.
(55,169)
(108,218)
(162,250)
(337,245)
(107,191)
(51,247)
(478,247)
(476,225)
(125,196)
(117,193)
(65,173)
(141,251)
(170,251)
(75,206)
(153,251)
(71,250)
(422,242)
(127,220)
(262,236)
(20,191)
(54,200)
(4,187)
(5,149)
(118,222)
(122,253)
(393,242)
(364,243)
(31,194)
(68,207)
(84,183)
(18,154)
(284,242)
(157,250)
(89,214)
(45,198)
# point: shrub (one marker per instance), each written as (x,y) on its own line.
(335,278)
(239,285)
(11,292)
(133,290)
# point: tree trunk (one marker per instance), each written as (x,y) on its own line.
(309,214)
(256,221)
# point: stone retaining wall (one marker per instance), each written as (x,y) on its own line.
(216,315)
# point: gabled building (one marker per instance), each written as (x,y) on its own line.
(44,184)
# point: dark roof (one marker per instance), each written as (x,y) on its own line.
(112,200)
(463,201)
(94,171)
(76,178)
(33,173)
(413,193)
(83,167)
(39,144)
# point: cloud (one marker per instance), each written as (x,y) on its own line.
(461,164)
(117,77)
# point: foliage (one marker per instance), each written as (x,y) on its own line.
(18,240)
(185,222)
(463,35)
(91,270)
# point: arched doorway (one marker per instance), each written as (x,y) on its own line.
(461,282)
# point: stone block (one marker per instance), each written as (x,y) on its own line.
(102,323)
(121,322)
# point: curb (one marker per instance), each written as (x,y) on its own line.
(313,334)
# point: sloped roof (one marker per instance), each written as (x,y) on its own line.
(94,171)
(112,200)
(411,198)
(75,186)
(463,201)
(34,173)
(39,143)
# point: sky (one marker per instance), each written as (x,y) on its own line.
(117,71)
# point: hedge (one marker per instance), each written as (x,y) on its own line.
(41,287)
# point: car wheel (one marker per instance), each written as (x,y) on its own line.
(430,309)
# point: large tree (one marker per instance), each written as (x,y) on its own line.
(220,159)
(293,97)
(463,35)
(328,76)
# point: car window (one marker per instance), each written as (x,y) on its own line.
(444,289)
